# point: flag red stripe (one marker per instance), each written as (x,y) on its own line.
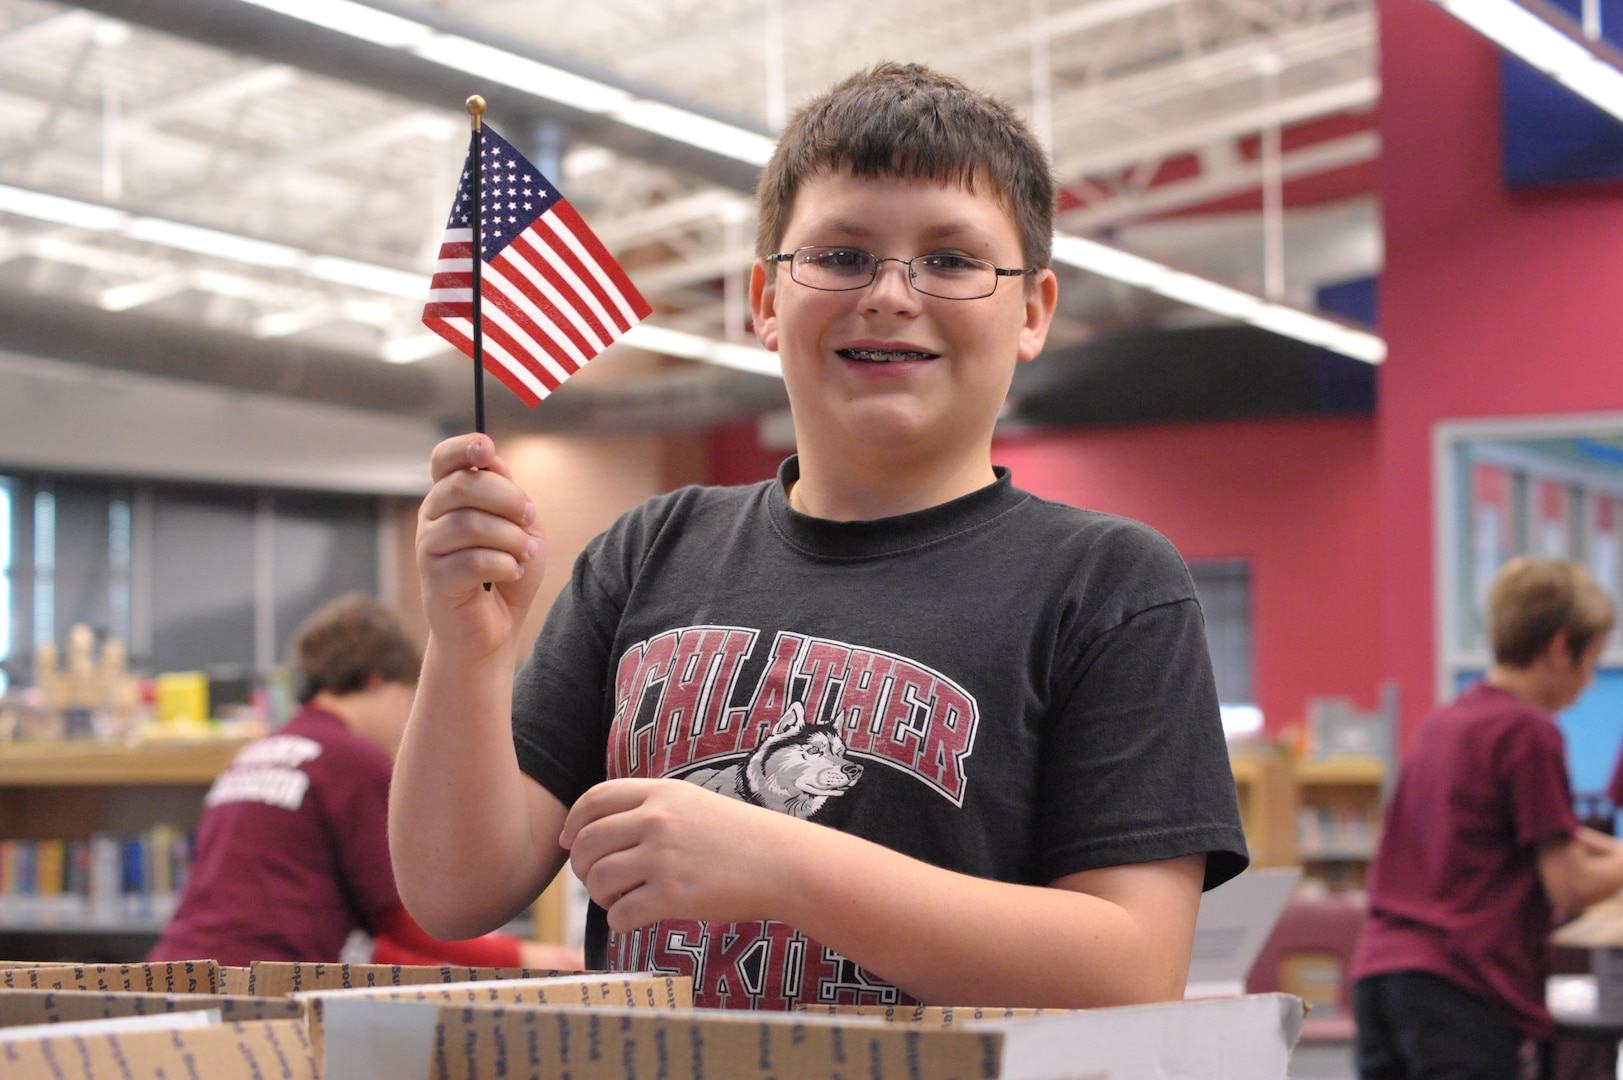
(494,296)
(543,261)
(513,278)
(563,251)
(605,261)
(510,356)
(502,358)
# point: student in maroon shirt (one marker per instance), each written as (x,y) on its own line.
(292,853)
(1481,851)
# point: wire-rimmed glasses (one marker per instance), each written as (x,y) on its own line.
(836,268)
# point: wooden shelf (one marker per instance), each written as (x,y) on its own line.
(91,764)
(1338,771)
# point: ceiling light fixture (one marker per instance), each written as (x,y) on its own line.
(1545,38)
(1231,303)
(1074,251)
(77,213)
(530,76)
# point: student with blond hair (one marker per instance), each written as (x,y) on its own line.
(1481,851)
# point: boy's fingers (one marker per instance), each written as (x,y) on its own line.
(471,451)
(603,800)
(483,491)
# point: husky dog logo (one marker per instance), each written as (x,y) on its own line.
(795,769)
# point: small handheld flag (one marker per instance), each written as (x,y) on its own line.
(553,297)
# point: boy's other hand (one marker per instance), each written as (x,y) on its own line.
(667,849)
(476,526)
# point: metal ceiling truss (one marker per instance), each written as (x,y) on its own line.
(224,115)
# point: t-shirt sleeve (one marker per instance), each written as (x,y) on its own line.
(559,722)
(1534,769)
(1135,767)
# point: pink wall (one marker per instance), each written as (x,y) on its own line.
(1295,498)
(1491,305)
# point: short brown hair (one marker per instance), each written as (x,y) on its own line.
(1532,600)
(348,641)
(905,120)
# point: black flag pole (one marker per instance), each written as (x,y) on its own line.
(476,109)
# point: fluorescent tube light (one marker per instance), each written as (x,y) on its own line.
(356,20)
(1113,263)
(224,245)
(522,73)
(661,339)
(1231,303)
(696,130)
(530,76)
(1546,46)
(1201,293)
(384,279)
(61,211)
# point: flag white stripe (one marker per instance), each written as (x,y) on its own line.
(501,356)
(522,373)
(510,266)
(566,238)
(538,352)
(450,296)
(609,286)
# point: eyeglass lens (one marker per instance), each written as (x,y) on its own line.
(952,277)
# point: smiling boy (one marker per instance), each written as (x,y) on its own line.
(884,729)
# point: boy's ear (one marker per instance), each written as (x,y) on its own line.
(1041,301)
(764,304)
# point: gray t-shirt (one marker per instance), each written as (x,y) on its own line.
(1002,686)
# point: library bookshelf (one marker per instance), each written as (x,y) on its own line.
(1323,815)
(107,800)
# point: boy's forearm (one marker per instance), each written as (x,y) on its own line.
(951,939)
(460,817)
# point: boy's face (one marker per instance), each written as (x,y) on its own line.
(886,367)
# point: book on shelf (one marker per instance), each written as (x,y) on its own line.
(106,881)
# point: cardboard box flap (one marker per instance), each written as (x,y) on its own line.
(247,1051)
(177,977)
(273,978)
(238,981)
(622,991)
(108,1025)
(60,1006)
(375,1039)
(1247,1038)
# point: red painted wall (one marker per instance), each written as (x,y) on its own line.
(1295,498)
(1490,305)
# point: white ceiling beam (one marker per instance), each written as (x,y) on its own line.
(74,24)
(1234,62)
(1352,95)
(1218,183)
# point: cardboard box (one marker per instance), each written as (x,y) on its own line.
(1600,930)
(630,991)
(247,1051)
(1241,1038)
(63,1006)
(275,978)
(179,977)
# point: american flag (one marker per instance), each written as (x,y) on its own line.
(552,295)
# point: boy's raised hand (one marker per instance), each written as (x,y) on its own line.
(476,526)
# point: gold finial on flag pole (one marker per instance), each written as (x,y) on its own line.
(476,109)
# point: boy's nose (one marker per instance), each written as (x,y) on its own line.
(898,284)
